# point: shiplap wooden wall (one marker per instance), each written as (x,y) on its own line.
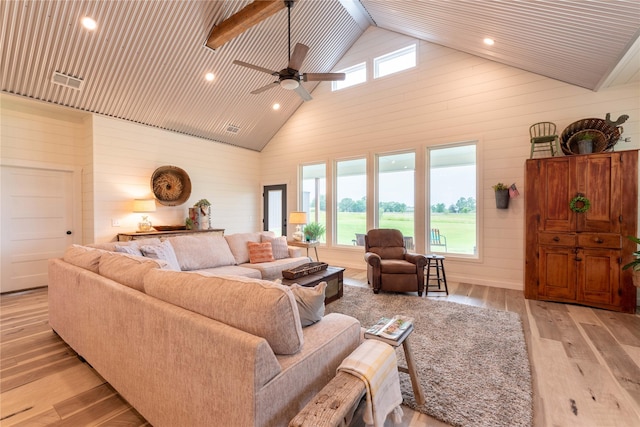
(449,97)
(117,159)
(125,155)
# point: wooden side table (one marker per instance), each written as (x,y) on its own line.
(411,367)
(307,245)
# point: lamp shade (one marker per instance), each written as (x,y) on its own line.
(144,205)
(297,217)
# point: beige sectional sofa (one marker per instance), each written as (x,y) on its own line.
(189,348)
(228,255)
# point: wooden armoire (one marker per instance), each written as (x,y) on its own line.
(578,211)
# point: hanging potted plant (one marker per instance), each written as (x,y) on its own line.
(502,195)
(313,231)
(635,264)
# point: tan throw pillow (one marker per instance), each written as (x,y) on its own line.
(278,246)
(163,251)
(260,252)
(310,302)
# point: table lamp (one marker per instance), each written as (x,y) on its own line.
(298,218)
(144,206)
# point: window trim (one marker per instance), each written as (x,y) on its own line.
(393,55)
(477,257)
(351,69)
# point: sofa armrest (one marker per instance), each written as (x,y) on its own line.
(295,252)
(372,259)
(419,260)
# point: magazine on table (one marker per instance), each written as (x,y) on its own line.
(391,328)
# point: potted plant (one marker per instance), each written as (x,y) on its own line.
(585,142)
(502,195)
(635,264)
(313,231)
(200,214)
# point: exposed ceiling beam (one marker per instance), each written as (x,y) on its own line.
(239,22)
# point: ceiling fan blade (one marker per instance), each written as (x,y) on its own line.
(265,88)
(298,55)
(300,90)
(255,67)
(330,77)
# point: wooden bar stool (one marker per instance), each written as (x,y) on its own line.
(437,262)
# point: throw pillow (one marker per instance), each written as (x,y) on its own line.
(310,302)
(163,251)
(278,245)
(131,249)
(199,252)
(260,252)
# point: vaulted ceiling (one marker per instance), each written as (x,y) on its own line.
(146,61)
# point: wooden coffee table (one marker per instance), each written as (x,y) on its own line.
(332,275)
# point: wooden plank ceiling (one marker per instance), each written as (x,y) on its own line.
(147,59)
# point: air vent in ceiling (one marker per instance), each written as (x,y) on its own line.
(67,81)
(233,128)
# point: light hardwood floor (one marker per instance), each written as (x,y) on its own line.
(585,364)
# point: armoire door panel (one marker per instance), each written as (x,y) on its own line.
(557,182)
(599,274)
(557,277)
(599,181)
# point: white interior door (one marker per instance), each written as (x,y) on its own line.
(36,224)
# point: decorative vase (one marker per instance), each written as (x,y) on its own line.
(502,199)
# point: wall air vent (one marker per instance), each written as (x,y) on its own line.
(233,128)
(67,81)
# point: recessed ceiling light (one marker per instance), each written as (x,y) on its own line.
(89,23)
(489,41)
(209,76)
(276,106)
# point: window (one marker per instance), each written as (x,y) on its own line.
(394,61)
(314,194)
(452,197)
(396,194)
(351,197)
(355,75)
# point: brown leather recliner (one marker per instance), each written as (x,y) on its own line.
(389,266)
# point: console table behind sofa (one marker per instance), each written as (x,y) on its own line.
(126,237)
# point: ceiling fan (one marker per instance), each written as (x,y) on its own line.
(290,77)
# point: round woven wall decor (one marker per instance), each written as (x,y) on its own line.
(170,185)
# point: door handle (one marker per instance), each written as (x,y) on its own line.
(69,232)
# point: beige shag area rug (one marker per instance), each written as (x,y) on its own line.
(472,362)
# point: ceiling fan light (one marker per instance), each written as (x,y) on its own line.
(289,84)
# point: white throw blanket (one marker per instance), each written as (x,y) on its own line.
(374,362)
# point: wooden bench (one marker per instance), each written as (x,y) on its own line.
(334,405)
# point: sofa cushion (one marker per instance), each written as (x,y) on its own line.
(310,302)
(163,251)
(278,246)
(273,270)
(238,245)
(83,257)
(231,270)
(128,269)
(260,252)
(259,307)
(197,252)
